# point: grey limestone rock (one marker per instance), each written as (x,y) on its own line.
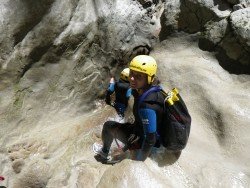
(213,34)
(240,22)
(237,43)
(69,51)
(196,13)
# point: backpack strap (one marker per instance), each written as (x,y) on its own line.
(144,95)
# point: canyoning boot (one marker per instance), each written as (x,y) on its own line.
(106,158)
(100,155)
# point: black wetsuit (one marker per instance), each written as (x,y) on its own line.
(148,117)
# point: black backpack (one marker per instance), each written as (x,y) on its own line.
(175,129)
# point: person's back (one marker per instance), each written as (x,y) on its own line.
(121,92)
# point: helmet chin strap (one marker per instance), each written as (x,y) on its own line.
(151,79)
(142,89)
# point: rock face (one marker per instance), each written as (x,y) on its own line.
(223,29)
(192,15)
(67,53)
(232,39)
(241,27)
(57,57)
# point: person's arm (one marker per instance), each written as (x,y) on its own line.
(109,91)
(129,93)
(149,121)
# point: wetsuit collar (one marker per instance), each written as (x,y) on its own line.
(142,90)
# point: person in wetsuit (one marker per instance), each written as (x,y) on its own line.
(122,92)
(143,133)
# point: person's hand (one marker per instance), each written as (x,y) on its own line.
(132,142)
(133,139)
(112,80)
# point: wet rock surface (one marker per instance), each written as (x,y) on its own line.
(56,60)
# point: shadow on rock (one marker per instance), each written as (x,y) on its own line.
(232,66)
(165,157)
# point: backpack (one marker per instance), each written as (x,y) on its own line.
(175,129)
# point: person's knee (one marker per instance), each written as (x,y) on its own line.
(109,126)
(151,139)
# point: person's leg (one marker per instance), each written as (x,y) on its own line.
(112,130)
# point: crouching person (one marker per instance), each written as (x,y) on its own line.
(142,134)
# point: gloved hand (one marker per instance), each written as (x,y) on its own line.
(133,139)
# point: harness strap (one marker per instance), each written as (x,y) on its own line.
(144,95)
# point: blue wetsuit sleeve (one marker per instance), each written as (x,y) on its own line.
(149,121)
(129,93)
(109,92)
(111,87)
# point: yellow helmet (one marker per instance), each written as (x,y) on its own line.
(145,64)
(125,74)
